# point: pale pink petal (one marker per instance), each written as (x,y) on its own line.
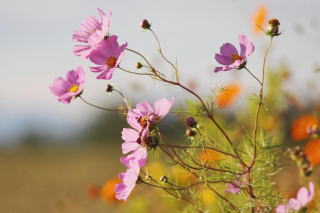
(144,108)
(302,196)
(282,209)
(60,86)
(162,106)
(294,204)
(246,46)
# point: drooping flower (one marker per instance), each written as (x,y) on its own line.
(69,88)
(234,187)
(304,196)
(231,58)
(91,33)
(107,56)
(129,179)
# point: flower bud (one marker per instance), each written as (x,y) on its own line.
(191,122)
(139,180)
(109,88)
(138,65)
(273,27)
(190,133)
(145,24)
(163,179)
(152,141)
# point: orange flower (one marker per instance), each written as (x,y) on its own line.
(209,156)
(259,19)
(300,125)
(94,191)
(228,95)
(107,191)
(312,150)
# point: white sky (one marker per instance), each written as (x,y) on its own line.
(36,47)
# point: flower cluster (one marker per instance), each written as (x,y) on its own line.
(101,48)
(143,134)
(213,155)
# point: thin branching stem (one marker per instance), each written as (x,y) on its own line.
(200,147)
(98,107)
(255,77)
(164,57)
(136,73)
(256,125)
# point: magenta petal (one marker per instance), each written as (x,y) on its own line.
(224,68)
(224,60)
(162,106)
(60,86)
(227,50)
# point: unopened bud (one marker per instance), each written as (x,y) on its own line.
(109,88)
(190,133)
(191,122)
(152,141)
(138,65)
(145,24)
(273,27)
(163,179)
(139,180)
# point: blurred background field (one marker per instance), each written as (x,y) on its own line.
(59,158)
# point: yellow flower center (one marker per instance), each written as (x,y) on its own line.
(143,121)
(111,62)
(74,88)
(235,57)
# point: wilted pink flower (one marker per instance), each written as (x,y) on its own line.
(234,187)
(108,56)
(303,198)
(66,89)
(230,57)
(91,32)
(129,179)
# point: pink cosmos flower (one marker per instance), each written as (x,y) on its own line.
(108,56)
(129,179)
(67,89)
(144,115)
(91,32)
(303,198)
(231,58)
